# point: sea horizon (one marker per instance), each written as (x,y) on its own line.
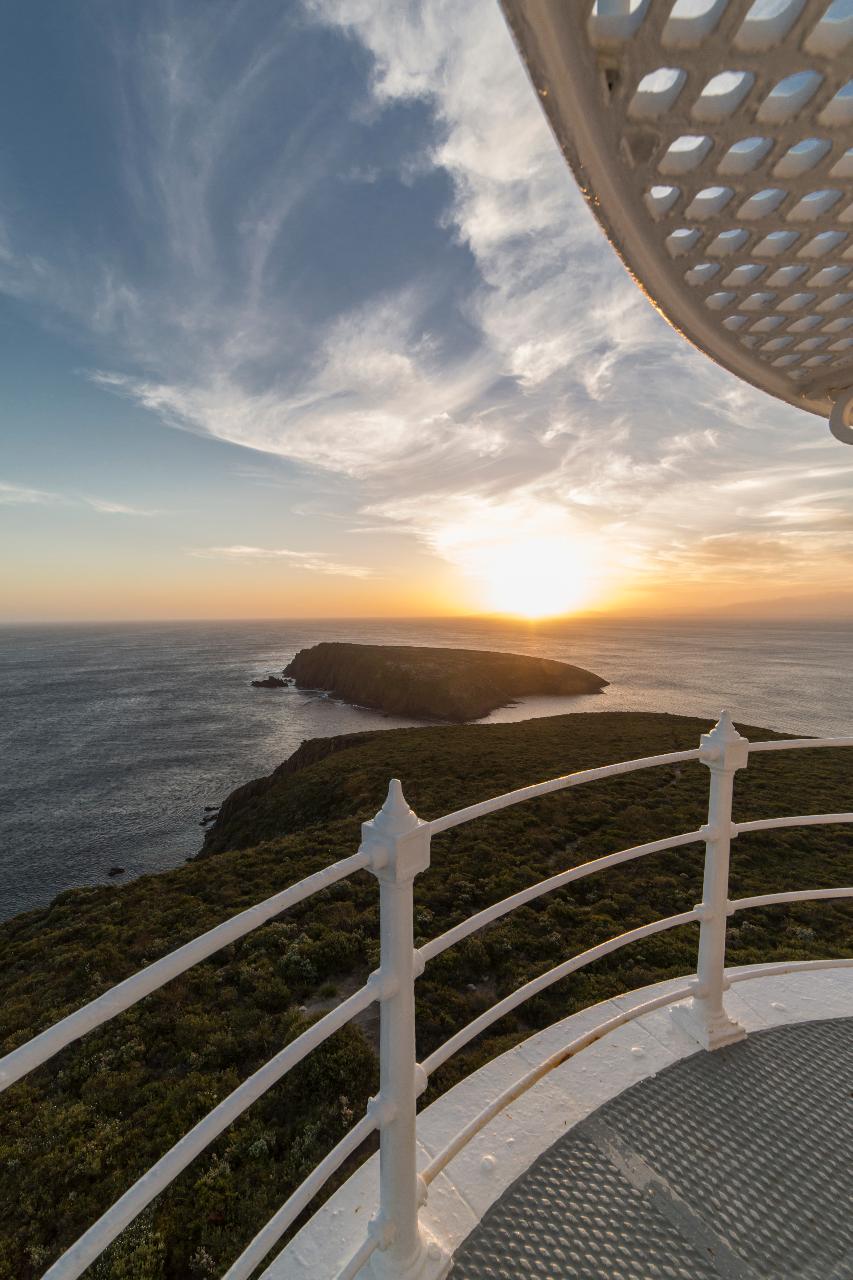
(138,727)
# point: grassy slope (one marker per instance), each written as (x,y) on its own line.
(79,1130)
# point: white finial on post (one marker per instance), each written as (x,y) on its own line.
(399,845)
(724,751)
(395,816)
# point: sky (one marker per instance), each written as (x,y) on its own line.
(301,314)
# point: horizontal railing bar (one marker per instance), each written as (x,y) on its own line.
(799,744)
(269,1234)
(807,895)
(532,1077)
(532,988)
(801,820)
(359,1258)
(472,811)
(482,918)
(120,997)
(785,967)
(75,1260)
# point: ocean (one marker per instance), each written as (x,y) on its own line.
(114,738)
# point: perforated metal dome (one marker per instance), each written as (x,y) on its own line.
(713,140)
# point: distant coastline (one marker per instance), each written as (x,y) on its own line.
(140,731)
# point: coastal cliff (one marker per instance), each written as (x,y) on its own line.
(435,684)
(77,1132)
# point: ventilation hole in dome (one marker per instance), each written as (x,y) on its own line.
(756,301)
(788,97)
(839,110)
(801,157)
(743,275)
(777,344)
(718,301)
(775,242)
(684,153)
(821,244)
(690,21)
(814,361)
(766,23)
(656,93)
(786,276)
(782,362)
(681,240)
(702,273)
(708,202)
(843,344)
(804,324)
(744,156)
(832,34)
(811,206)
(734,322)
(659,200)
(726,242)
(839,325)
(843,167)
(767,324)
(722,95)
(762,203)
(608,27)
(837,301)
(811,344)
(829,275)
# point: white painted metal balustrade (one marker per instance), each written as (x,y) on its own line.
(395,847)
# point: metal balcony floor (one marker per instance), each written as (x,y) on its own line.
(733,1164)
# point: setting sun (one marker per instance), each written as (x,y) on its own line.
(536,577)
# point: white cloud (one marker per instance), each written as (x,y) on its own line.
(20,495)
(571,411)
(311,561)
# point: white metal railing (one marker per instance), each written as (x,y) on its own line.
(395,847)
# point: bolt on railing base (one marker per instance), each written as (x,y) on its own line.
(431,1263)
(712,1030)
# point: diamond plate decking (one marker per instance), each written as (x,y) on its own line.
(732,1164)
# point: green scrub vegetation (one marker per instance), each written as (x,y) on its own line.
(80,1129)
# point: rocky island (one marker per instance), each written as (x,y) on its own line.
(437,684)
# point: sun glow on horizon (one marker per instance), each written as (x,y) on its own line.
(535,577)
(528,558)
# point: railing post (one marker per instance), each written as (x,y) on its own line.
(400,849)
(724,751)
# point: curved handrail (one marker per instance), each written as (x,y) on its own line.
(482,918)
(74,1261)
(532,1077)
(787,966)
(801,820)
(388,836)
(34,1052)
(359,1258)
(504,801)
(798,744)
(775,899)
(532,988)
(535,1074)
(272,1231)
